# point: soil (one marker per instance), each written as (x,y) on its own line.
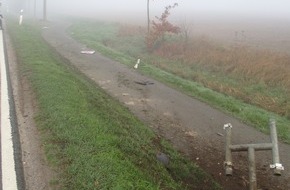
(194,128)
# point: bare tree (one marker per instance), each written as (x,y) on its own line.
(160,27)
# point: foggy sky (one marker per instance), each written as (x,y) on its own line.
(186,9)
(247,7)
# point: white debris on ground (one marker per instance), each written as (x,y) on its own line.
(89,52)
(137,64)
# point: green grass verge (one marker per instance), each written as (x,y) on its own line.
(93,141)
(93,34)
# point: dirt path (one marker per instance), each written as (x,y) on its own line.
(193,127)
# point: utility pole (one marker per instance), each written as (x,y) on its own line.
(34,9)
(148,17)
(44,10)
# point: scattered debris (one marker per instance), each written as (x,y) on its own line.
(125,94)
(144,82)
(137,64)
(167,114)
(89,52)
(220,134)
(228,125)
(131,103)
(102,82)
(191,133)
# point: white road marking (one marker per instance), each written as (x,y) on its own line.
(8,162)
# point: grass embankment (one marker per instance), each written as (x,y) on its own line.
(93,141)
(252,85)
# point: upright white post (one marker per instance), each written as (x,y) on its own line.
(21,17)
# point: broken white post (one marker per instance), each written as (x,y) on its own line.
(228,162)
(137,64)
(251,148)
(277,166)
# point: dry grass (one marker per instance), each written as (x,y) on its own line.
(126,30)
(259,77)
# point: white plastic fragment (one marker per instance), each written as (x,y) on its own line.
(227,125)
(137,64)
(89,52)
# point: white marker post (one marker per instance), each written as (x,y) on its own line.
(7,156)
(21,17)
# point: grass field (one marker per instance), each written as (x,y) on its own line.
(89,138)
(253,85)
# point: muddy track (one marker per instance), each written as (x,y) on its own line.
(193,127)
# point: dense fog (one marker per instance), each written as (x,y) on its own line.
(263,23)
(136,9)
